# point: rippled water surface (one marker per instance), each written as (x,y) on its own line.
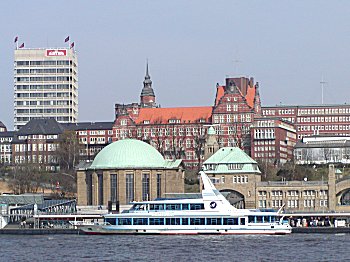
(294,247)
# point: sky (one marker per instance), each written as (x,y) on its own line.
(287,46)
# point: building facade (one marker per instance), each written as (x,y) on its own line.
(180,132)
(272,140)
(323,150)
(6,147)
(313,119)
(237,176)
(128,170)
(45,85)
(93,137)
(36,143)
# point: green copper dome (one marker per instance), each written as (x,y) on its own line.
(128,153)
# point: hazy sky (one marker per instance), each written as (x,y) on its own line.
(287,46)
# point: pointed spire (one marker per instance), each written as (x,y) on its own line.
(147,74)
(148,98)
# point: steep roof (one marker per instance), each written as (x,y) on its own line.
(8,134)
(42,126)
(250,96)
(184,114)
(2,125)
(220,91)
(220,161)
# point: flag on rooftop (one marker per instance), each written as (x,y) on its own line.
(72,45)
(16,39)
(21,46)
(67,39)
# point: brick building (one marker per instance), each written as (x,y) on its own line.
(313,119)
(180,132)
(236,106)
(37,141)
(272,140)
(93,136)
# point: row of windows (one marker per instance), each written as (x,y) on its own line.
(333,119)
(41,87)
(325,127)
(44,79)
(306,193)
(21,95)
(190,221)
(326,111)
(48,62)
(222,118)
(46,111)
(44,71)
(44,103)
(41,159)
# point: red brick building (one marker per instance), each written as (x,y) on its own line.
(180,132)
(313,119)
(272,140)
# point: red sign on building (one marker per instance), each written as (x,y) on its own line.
(56,52)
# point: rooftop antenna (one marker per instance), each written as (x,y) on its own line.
(236,61)
(322,88)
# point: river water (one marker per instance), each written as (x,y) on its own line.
(294,247)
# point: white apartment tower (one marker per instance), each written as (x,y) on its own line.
(46,85)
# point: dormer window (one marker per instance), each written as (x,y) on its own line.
(123,122)
(235,166)
(146,121)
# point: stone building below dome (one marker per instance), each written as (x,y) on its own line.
(128,170)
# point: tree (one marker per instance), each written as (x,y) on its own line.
(68,150)
(28,178)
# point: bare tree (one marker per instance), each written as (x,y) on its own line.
(68,150)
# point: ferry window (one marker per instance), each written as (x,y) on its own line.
(185,207)
(156,221)
(196,206)
(124,221)
(273,219)
(213,221)
(259,219)
(266,219)
(230,221)
(111,221)
(173,207)
(172,221)
(242,221)
(156,207)
(251,219)
(185,221)
(140,221)
(197,221)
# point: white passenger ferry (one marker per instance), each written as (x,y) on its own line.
(212,214)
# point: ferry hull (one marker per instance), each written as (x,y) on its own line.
(98,230)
